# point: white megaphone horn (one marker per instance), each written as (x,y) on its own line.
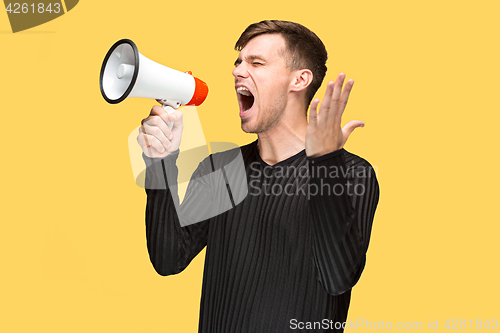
(127,73)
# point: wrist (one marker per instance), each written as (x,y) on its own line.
(323,152)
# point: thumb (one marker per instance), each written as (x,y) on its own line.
(176,118)
(350,126)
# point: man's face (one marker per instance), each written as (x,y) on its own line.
(262,83)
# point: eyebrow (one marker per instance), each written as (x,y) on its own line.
(249,58)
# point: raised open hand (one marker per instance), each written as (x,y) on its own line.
(324,134)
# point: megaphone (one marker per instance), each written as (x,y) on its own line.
(127,73)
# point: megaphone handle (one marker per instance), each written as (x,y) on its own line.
(169,109)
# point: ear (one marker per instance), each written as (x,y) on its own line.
(301,79)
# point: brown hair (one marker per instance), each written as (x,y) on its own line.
(304,49)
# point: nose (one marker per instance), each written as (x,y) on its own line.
(240,71)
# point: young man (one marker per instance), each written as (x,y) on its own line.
(287,256)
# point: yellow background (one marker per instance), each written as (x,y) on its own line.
(72,237)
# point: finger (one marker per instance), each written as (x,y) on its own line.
(325,105)
(142,138)
(156,132)
(345,97)
(143,141)
(154,143)
(146,140)
(337,90)
(313,115)
(160,112)
(351,126)
(162,130)
(157,110)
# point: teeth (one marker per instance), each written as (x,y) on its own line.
(244,91)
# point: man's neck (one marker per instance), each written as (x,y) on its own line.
(282,141)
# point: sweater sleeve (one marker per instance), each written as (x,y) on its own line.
(343,199)
(171,246)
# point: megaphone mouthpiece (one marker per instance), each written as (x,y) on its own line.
(125,71)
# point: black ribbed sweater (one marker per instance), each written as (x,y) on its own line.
(287,255)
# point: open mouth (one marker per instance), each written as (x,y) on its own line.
(246,98)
